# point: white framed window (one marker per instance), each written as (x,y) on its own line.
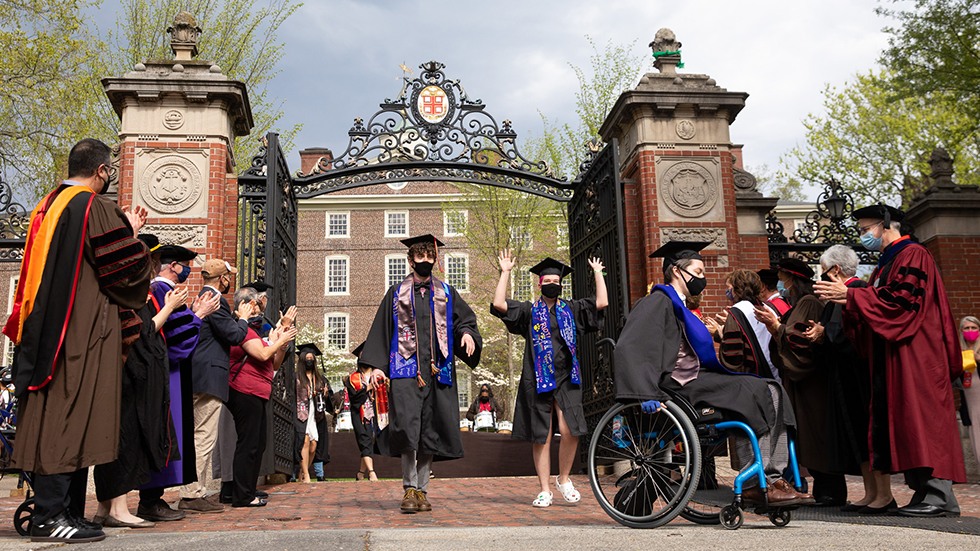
(396,223)
(561,235)
(458,271)
(337,275)
(463,382)
(396,268)
(523,285)
(520,238)
(454,222)
(338,225)
(336,330)
(8,345)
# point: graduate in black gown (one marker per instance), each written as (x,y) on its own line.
(664,346)
(551,385)
(422,325)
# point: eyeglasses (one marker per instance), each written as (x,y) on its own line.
(866,229)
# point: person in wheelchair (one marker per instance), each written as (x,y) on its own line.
(665,349)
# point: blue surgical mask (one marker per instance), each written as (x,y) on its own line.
(780,287)
(185,272)
(870,242)
(730,295)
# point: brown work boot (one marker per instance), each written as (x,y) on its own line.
(424,505)
(777,497)
(785,486)
(410,503)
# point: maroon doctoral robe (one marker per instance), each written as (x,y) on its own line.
(907,309)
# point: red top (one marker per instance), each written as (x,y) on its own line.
(251,376)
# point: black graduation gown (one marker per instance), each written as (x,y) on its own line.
(146,430)
(646,354)
(423,419)
(533,411)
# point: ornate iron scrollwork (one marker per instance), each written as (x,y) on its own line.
(14,222)
(828,224)
(432,132)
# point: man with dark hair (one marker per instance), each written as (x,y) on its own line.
(421,326)
(82,265)
(903,324)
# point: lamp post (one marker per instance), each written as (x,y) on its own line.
(835,203)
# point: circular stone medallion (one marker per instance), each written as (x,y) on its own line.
(171,184)
(433,104)
(173,119)
(685,129)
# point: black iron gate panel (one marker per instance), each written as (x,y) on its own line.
(267,233)
(595,227)
(14,220)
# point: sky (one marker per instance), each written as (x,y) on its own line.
(342,57)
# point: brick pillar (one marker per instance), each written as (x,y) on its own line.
(682,176)
(944,219)
(179,121)
(311,156)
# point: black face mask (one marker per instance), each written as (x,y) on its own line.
(484,398)
(310,364)
(551,290)
(424,269)
(696,284)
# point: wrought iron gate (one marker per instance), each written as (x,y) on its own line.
(267,218)
(14,219)
(595,227)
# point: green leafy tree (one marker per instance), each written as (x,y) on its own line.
(44,84)
(877,146)
(776,184)
(336,362)
(935,48)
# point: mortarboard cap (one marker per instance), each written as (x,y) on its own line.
(427,238)
(259,286)
(175,253)
(879,212)
(151,241)
(673,251)
(550,266)
(796,267)
(769,277)
(309,347)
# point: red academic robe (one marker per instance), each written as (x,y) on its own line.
(908,309)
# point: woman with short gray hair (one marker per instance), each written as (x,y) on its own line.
(848,396)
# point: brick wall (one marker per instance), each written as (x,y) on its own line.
(959,272)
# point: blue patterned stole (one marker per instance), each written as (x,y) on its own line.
(544,354)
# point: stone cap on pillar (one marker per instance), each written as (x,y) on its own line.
(945,207)
(666,91)
(185,79)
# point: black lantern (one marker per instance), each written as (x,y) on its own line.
(835,204)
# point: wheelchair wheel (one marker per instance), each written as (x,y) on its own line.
(23,517)
(780,517)
(715,485)
(731,517)
(643,467)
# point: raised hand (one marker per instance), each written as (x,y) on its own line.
(245,310)
(596,264)
(175,297)
(136,217)
(287,319)
(767,317)
(505,260)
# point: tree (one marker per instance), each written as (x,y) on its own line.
(877,146)
(336,362)
(776,184)
(614,69)
(44,73)
(54,62)
(935,48)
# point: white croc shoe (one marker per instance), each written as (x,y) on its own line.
(543,500)
(568,491)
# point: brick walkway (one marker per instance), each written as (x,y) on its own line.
(469,502)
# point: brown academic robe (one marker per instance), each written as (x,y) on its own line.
(73,422)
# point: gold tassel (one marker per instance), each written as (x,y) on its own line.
(421,381)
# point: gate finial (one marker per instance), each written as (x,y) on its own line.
(183,36)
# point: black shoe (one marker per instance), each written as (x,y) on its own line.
(877,510)
(222,498)
(827,501)
(159,512)
(851,508)
(82,523)
(925,510)
(260,493)
(321,478)
(63,529)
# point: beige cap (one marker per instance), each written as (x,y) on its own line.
(214,267)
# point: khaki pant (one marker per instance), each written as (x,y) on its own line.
(206,410)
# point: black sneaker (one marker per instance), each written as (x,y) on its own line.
(82,523)
(62,529)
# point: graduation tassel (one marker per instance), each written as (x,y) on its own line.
(432,366)
(421,381)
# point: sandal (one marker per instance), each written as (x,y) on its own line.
(372,476)
(543,500)
(568,491)
(359,475)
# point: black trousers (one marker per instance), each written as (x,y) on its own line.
(829,486)
(249,414)
(151,496)
(54,493)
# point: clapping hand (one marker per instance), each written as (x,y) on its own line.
(713,327)
(175,297)
(834,290)
(245,310)
(287,319)
(767,317)
(206,304)
(505,260)
(814,332)
(136,217)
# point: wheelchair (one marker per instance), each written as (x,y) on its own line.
(646,469)
(24,514)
